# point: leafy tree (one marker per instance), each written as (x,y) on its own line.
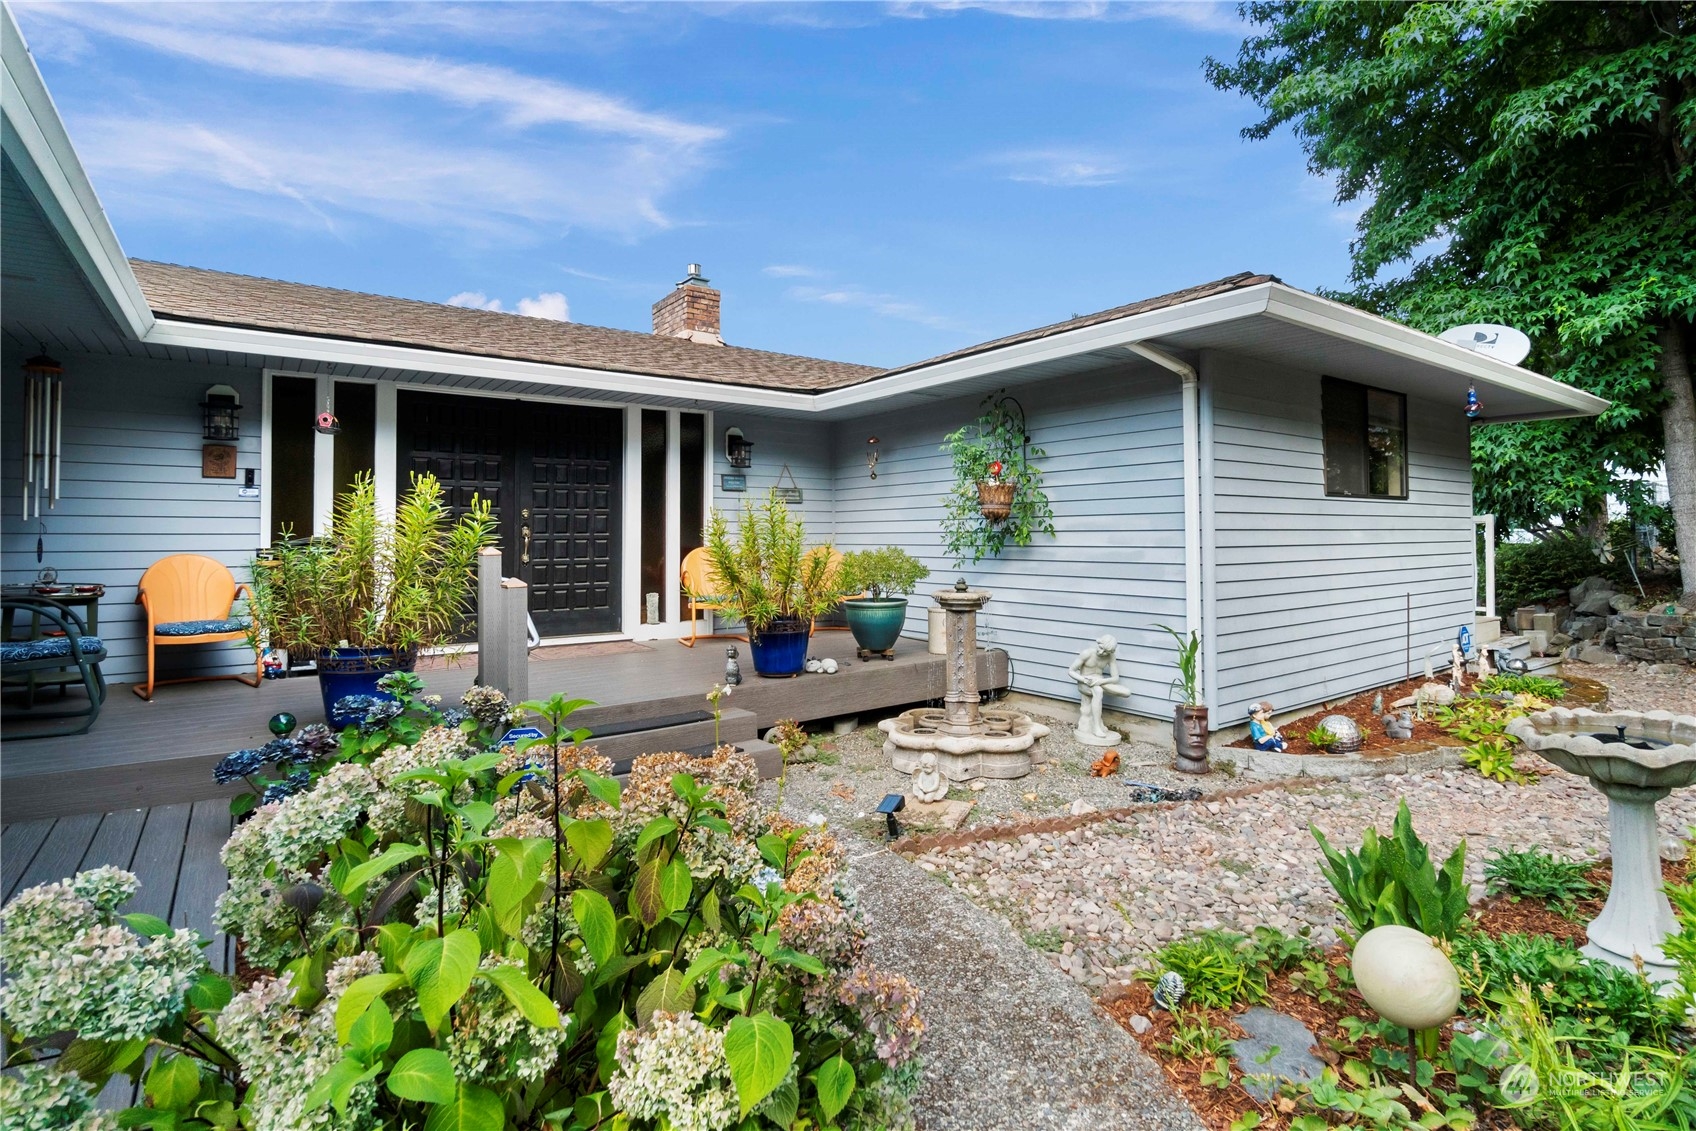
(1522,162)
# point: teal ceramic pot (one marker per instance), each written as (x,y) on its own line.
(876,623)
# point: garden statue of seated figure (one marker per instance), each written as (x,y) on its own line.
(1260,728)
(928,782)
(1096,672)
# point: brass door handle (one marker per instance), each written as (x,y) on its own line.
(524,555)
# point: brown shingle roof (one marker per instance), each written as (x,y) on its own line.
(198,295)
(1188,294)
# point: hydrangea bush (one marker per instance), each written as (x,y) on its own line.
(451,937)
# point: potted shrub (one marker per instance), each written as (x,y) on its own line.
(887,576)
(366,598)
(1189,717)
(767,577)
(997,498)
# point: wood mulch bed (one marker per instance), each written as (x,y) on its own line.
(1218,1107)
(1427,734)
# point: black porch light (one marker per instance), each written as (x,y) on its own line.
(738,450)
(220,414)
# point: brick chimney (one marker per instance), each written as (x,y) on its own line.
(690,311)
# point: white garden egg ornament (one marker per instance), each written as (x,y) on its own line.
(1404,976)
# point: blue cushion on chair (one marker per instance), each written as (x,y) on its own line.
(200,627)
(47,648)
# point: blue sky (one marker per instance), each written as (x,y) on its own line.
(866,182)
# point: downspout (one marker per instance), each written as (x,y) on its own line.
(1192,477)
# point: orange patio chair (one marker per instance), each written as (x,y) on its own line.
(190,599)
(696,579)
(836,568)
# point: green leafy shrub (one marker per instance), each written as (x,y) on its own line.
(1221,968)
(467,938)
(1573,987)
(888,572)
(1493,757)
(1321,738)
(1391,880)
(1536,874)
(1529,572)
(1680,947)
(1540,686)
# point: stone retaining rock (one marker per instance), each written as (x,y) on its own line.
(1651,637)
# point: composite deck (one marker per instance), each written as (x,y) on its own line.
(143,754)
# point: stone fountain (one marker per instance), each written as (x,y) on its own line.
(1635,759)
(968,741)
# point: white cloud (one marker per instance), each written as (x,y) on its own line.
(890,306)
(1202,15)
(1060,167)
(790,271)
(522,100)
(548,304)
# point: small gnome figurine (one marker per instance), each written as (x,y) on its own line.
(1260,728)
(732,669)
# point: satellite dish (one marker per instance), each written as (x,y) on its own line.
(1503,343)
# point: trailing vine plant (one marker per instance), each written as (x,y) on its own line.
(994,449)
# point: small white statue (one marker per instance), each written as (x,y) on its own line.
(1096,672)
(1457,668)
(1484,669)
(928,782)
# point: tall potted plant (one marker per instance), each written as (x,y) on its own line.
(997,499)
(886,577)
(1189,717)
(767,577)
(364,599)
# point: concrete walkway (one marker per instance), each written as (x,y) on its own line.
(1010,1042)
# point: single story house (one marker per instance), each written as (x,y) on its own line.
(1208,449)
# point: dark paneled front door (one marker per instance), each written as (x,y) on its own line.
(569,465)
(554,476)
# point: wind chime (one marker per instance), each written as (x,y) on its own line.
(44,414)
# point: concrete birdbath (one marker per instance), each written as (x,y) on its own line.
(967,741)
(1635,759)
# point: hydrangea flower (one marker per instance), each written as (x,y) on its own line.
(310,822)
(674,1067)
(283,1050)
(316,742)
(65,937)
(36,1098)
(488,706)
(241,764)
(492,1042)
(288,787)
(888,1006)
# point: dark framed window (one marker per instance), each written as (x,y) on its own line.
(1365,440)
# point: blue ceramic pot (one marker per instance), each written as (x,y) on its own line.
(780,649)
(355,671)
(876,622)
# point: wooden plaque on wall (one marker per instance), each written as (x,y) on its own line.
(217,461)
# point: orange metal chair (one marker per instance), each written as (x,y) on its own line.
(695,577)
(836,568)
(189,599)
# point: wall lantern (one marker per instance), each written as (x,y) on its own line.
(871,455)
(738,451)
(220,414)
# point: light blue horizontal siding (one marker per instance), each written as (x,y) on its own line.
(803,446)
(1114,476)
(1312,595)
(132,493)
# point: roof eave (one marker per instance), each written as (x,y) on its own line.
(36,141)
(1352,324)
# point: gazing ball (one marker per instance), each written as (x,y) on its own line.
(828,667)
(282,723)
(1405,976)
(1346,733)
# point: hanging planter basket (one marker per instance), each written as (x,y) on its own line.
(995,500)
